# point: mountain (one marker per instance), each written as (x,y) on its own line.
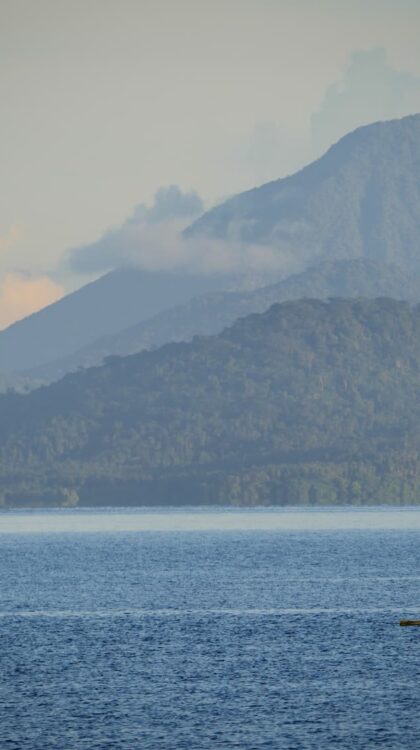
(360,200)
(210,313)
(19,383)
(310,401)
(106,306)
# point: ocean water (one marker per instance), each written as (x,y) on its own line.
(228,629)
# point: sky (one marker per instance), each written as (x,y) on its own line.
(107,103)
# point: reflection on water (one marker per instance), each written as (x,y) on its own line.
(221,519)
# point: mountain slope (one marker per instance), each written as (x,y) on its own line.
(210,313)
(113,302)
(361,199)
(309,402)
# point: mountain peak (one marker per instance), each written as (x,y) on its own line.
(361,199)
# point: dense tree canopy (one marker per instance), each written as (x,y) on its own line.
(310,402)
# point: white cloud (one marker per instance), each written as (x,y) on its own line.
(167,91)
(149,237)
(370,89)
(162,247)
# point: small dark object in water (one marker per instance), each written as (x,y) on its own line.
(409,622)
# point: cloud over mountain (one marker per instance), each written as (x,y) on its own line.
(145,238)
(151,239)
(359,200)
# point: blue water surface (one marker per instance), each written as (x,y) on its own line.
(283,638)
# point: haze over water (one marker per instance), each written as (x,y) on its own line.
(208,519)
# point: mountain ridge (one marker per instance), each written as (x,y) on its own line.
(112,302)
(360,199)
(210,313)
(310,401)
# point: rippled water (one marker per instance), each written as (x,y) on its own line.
(173,636)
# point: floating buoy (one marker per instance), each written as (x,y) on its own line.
(409,622)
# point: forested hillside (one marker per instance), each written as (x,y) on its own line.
(111,303)
(309,402)
(210,313)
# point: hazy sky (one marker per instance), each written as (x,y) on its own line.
(106,101)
